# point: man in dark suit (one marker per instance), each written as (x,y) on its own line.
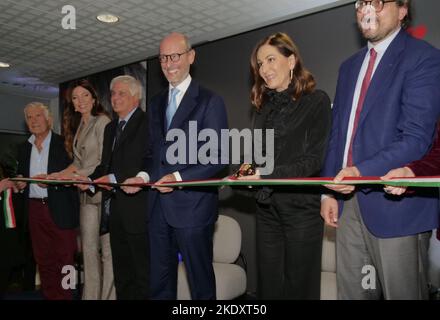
(182,220)
(51,211)
(384,116)
(123,155)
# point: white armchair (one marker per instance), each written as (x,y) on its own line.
(230,278)
(328,265)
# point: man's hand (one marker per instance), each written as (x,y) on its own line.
(344,188)
(41,176)
(105,179)
(6,184)
(167,178)
(329,211)
(404,172)
(131,190)
(20,185)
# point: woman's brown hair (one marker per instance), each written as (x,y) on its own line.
(302,80)
(71,118)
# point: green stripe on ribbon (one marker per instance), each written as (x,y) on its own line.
(8,209)
(399,182)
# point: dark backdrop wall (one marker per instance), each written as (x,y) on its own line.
(9,143)
(101,82)
(11,111)
(325,39)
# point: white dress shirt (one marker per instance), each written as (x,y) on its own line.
(182,87)
(380,48)
(38,165)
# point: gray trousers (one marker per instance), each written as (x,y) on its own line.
(368,267)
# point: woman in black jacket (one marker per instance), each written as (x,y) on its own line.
(289,225)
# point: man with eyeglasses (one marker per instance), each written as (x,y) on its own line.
(385,110)
(376,4)
(182,220)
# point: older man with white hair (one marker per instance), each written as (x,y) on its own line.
(52,212)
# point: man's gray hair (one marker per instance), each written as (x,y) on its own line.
(134,85)
(47,113)
(42,106)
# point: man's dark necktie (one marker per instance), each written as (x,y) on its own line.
(363,93)
(107,196)
(118,133)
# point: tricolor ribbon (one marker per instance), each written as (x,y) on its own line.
(432,181)
(8,209)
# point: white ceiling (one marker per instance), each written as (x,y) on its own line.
(43,54)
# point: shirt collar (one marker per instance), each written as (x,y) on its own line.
(128,116)
(46,140)
(183,86)
(382,46)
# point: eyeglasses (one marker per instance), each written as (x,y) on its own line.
(376,4)
(174,57)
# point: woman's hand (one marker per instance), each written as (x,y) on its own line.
(255,176)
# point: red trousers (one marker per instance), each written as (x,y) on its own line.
(53,249)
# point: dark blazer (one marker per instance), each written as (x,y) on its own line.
(63,201)
(124,162)
(301,133)
(187,207)
(396,127)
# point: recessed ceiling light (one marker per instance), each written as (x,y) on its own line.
(107,18)
(4,65)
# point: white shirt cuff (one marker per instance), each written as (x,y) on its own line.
(91,186)
(326,196)
(145,176)
(112,178)
(177,176)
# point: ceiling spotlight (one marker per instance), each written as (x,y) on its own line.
(107,18)
(4,65)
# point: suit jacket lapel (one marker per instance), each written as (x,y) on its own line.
(129,127)
(51,161)
(163,104)
(383,73)
(79,140)
(28,159)
(351,87)
(187,105)
(109,136)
